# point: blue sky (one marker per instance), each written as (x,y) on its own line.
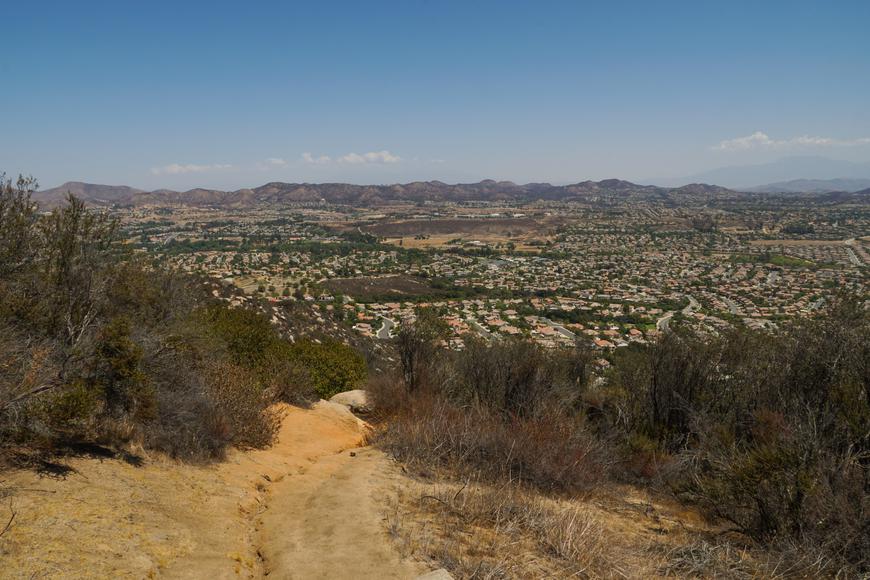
(231,94)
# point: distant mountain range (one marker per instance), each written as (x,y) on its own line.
(752,177)
(278,193)
(813,186)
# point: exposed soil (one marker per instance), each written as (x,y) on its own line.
(305,508)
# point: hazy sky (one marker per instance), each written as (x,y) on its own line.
(229,94)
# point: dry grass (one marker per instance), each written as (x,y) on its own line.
(476,530)
(479,531)
(549,452)
(704,558)
(246,418)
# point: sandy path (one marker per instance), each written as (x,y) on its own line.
(305,508)
(328,522)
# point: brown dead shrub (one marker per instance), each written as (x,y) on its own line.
(242,404)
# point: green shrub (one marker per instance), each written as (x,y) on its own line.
(116,368)
(97,346)
(332,366)
(253,343)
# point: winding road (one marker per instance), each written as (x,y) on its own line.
(663,324)
(386,330)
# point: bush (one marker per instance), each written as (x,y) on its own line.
(242,404)
(771,433)
(332,366)
(506,411)
(99,347)
(518,378)
(252,342)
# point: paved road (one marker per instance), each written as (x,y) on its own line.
(852,257)
(558,327)
(693,305)
(473,324)
(386,330)
(731,305)
(772,277)
(663,324)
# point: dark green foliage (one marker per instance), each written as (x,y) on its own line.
(333,367)
(97,346)
(769,432)
(117,370)
(18,216)
(249,338)
(418,344)
(798,228)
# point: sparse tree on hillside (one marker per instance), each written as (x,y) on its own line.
(75,269)
(17,217)
(418,345)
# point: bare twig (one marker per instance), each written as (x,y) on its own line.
(11,518)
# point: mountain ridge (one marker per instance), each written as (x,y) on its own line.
(279,193)
(813,186)
(746,177)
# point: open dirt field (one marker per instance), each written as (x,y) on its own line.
(520,230)
(469,226)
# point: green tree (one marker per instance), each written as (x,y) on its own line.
(418,344)
(333,366)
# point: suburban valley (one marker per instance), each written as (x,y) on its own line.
(612,265)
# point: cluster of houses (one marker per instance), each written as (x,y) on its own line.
(612,278)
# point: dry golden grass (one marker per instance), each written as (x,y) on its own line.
(484,531)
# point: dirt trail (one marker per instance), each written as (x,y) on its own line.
(328,522)
(304,508)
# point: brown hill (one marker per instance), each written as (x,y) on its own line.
(92,192)
(280,193)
